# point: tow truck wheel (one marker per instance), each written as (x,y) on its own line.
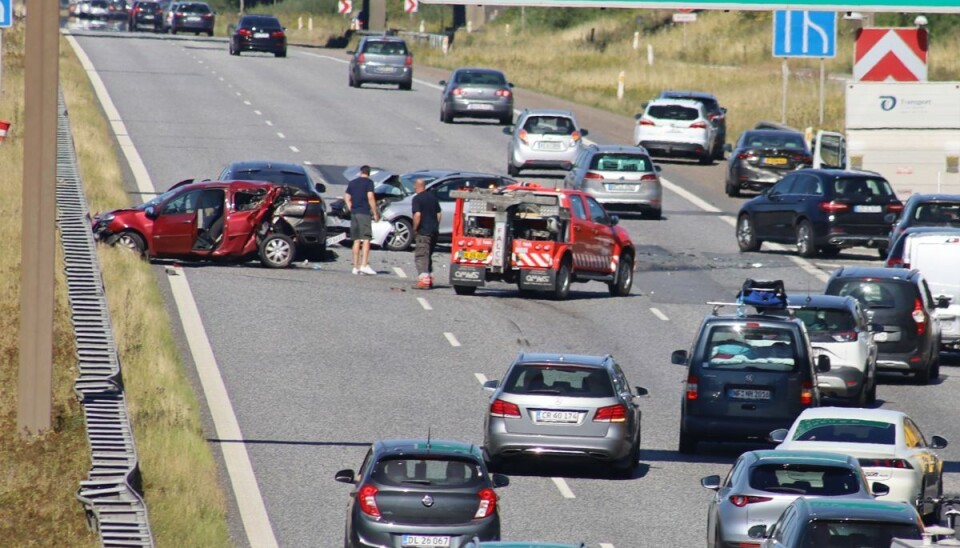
(464,289)
(132,241)
(620,287)
(276,250)
(562,288)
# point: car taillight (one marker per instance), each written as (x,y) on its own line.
(503,93)
(894,262)
(715,117)
(802,158)
(886,463)
(834,207)
(645,122)
(361,59)
(742,500)
(895,208)
(575,136)
(504,409)
(488,503)
(845,336)
(806,393)
(649,178)
(522,135)
(699,125)
(245,32)
(744,155)
(692,387)
(592,175)
(456,91)
(367,497)
(919,317)
(277,34)
(408,61)
(207,15)
(613,413)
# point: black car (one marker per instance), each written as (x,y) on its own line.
(820,210)
(422,493)
(305,210)
(716,114)
(259,33)
(195,17)
(895,257)
(762,157)
(900,301)
(145,14)
(941,210)
(747,374)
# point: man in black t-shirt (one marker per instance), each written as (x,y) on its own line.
(426,227)
(362,206)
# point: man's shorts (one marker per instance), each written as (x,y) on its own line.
(361,226)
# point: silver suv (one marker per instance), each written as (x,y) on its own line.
(543,139)
(381,60)
(676,127)
(619,177)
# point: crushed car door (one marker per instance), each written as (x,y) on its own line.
(246,208)
(175,229)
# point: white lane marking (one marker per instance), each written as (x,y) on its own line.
(606,545)
(399,272)
(229,85)
(423,302)
(307,163)
(268,122)
(452,339)
(258,113)
(239,94)
(481,378)
(689,196)
(253,512)
(294,149)
(246,103)
(221,78)
(659,314)
(564,488)
(280,135)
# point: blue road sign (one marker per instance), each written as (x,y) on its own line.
(6,13)
(805,34)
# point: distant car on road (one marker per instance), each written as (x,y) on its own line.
(896,256)
(762,157)
(543,139)
(422,493)
(381,60)
(564,406)
(145,14)
(619,177)
(938,210)
(715,113)
(262,33)
(476,93)
(195,17)
(676,127)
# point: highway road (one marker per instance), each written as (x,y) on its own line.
(319,363)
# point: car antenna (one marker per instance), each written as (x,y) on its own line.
(428,440)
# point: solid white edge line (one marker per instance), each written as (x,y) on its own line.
(481,378)
(423,302)
(399,272)
(563,488)
(253,512)
(451,339)
(656,312)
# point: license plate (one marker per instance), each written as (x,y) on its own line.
(549,145)
(148,17)
(867,209)
(564,417)
(880,337)
(386,69)
(479,106)
(613,187)
(193,19)
(261,35)
(748,394)
(425,540)
(471,255)
(775,161)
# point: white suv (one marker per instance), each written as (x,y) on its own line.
(676,127)
(838,328)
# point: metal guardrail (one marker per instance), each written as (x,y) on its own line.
(112,495)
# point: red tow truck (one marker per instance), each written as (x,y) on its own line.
(542,239)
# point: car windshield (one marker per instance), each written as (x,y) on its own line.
(828,324)
(879,293)
(480,78)
(673,112)
(861,187)
(559,381)
(439,471)
(385,48)
(822,533)
(846,431)
(275,176)
(804,479)
(408,179)
(621,162)
(764,140)
(751,348)
(937,213)
(549,125)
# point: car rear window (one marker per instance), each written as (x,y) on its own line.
(879,293)
(751,348)
(481,78)
(278,177)
(846,431)
(549,125)
(621,162)
(827,324)
(673,112)
(266,23)
(760,140)
(559,381)
(804,479)
(823,533)
(385,48)
(937,213)
(862,187)
(438,471)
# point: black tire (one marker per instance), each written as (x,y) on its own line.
(464,289)
(935,369)
(512,171)
(653,214)
(281,53)
(805,245)
(883,252)
(350,81)
(829,251)
(924,375)
(401,239)
(706,158)
(718,152)
(625,467)
(233,50)
(872,391)
(445,117)
(687,444)
(746,235)
(277,250)
(860,400)
(624,281)
(564,278)
(132,241)
(732,191)
(209,33)
(173,30)
(406,86)
(506,120)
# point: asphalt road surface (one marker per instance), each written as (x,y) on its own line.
(319,363)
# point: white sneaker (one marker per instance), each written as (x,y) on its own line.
(365,269)
(355,271)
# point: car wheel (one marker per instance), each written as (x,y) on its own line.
(624,281)
(281,53)
(883,252)
(624,469)
(860,400)
(277,250)
(445,117)
(924,376)
(464,289)
(829,251)
(935,368)
(732,191)
(402,235)
(209,33)
(173,30)
(512,171)
(746,237)
(872,392)
(706,158)
(132,241)
(564,277)
(233,49)
(406,86)
(688,444)
(654,214)
(506,120)
(718,152)
(805,247)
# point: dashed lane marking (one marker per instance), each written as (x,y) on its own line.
(307,163)
(564,488)
(399,272)
(281,135)
(221,78)
(247,103)
(481,378)
(452,339)
(268,122)
(294,149)
(258,113)
(423,302)
(239,94)
(606,545)
(659,314)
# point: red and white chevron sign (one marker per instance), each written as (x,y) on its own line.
(345,6)
(411,6)
(891,55)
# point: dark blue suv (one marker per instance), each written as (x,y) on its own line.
(821,211)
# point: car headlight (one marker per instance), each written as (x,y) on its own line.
(107,217)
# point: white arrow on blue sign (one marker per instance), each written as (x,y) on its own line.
(805,34)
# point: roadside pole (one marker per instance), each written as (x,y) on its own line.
(785,70)
(35,383)
(822,82)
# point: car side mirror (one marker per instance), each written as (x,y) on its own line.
(890,218)
(943,301)
(723,110)
(321,188)
(584,132)
(638,115)
(491,385)
(938,442)
(710,482)
(442,82)
(345,476)
(880,489)
(614,220)
(508,131)
(641,391)
(150,212)
(499,480)
(778,436)
(509,84)
(823,364)
(727,147)
(679,357)
(757,531)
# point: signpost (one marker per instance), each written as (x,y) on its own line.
(343,6)
(411,6)
(865,6)
(808,34)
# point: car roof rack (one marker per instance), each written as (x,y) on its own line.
(767,296)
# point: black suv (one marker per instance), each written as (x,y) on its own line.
(716,114)
(820,210)
(747,374)
(899,301)
(942,210)
(149,14)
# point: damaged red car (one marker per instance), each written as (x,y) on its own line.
(231,221)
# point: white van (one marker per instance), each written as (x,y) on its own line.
(937,257)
